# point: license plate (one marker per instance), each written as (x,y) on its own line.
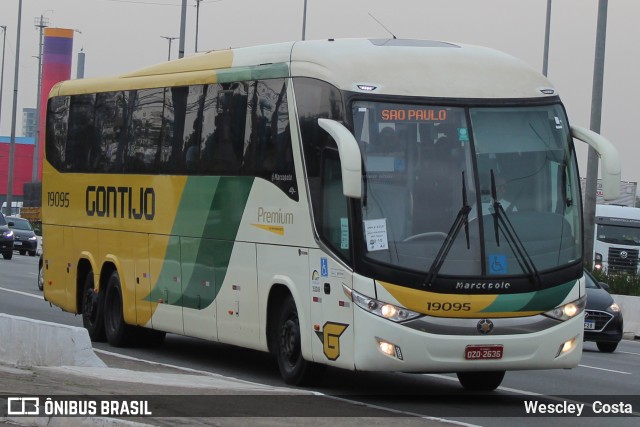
(483,352)
(590,325)
(17,243)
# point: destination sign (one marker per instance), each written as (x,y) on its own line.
(412,115)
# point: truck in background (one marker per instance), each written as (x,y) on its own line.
(617,239)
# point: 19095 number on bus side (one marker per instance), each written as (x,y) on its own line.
(58,199)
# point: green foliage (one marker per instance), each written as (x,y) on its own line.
(620,284)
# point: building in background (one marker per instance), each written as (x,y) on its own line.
(627,196)
(23,164)
(29,122)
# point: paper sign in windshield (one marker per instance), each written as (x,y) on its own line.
(375,231)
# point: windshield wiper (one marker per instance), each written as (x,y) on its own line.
(500,218)
(462,219)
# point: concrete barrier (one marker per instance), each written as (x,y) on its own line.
(630,307)
(29,342)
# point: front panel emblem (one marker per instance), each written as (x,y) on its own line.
(624,254)
(330,338)
(484,326)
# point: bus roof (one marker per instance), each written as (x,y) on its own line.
(392,66)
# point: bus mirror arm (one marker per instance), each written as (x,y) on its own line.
(350,158)
(609,158)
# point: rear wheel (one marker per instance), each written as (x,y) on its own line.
(481,381)
(92,309)
(287,346)
(41,275)
(32,253)
(607,347)
(118,333)
(22,252)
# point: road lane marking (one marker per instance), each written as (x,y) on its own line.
(628,352)
(22,293)
(603,369)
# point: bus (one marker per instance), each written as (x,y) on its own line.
(617,239)
(337,203)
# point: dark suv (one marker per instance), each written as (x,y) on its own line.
(6,238)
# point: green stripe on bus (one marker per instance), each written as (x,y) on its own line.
(543,300)
(207,220)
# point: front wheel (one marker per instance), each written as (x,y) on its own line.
(607,347)
(118,333)
(287,346)
(7,255)
(481,381)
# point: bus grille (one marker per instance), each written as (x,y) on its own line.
(600,317)
(623,260)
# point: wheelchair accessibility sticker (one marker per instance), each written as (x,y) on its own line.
(497,264)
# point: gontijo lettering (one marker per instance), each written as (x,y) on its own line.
(121,202)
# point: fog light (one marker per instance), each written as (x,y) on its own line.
(566,347)
(389,349)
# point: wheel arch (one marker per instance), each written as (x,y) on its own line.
(86,263)
(281,287)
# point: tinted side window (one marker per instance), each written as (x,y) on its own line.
(107,126)
(56,134)
(144,132)
(268,151)
(81,132)
(316,99)
(224,117)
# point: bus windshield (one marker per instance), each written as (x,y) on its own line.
(499,182)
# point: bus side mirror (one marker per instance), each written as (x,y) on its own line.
(350,158)
(609,159)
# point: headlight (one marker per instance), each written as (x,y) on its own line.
(383,309)
(614,307)
(33,238)
(567,311)
(8,233)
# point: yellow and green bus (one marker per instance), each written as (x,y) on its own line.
(367,204)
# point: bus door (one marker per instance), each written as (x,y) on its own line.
(331,311)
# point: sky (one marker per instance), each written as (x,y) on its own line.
(118,36)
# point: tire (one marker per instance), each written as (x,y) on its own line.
(607,347)
(118,333)
(22,252)
(32,253)
(286,344)
(481,381)
(7,255)
(92,309)
(41,275)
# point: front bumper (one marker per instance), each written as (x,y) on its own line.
(430,352)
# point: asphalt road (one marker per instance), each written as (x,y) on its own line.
(600,377)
